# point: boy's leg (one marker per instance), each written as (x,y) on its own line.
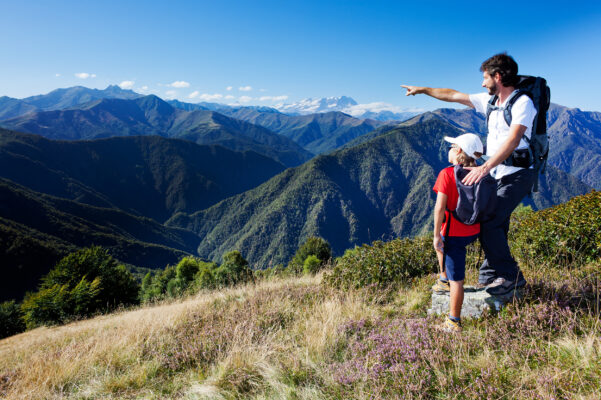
(455,266)
(456,300)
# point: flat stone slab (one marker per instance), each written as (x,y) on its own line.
(475,301)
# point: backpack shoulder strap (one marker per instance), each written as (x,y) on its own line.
(490,107)
(510,102)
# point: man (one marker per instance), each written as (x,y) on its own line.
(499,272)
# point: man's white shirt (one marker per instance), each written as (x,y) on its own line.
(522,113)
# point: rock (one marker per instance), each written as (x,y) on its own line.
(475,301)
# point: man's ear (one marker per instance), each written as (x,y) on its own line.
(497,77)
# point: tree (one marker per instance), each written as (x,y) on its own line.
(311,265)
(314,246)
(11,319)
(233,270)
(82,283)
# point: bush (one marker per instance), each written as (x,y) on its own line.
(234,270)
(11,319)
(311,265)
(205,277)
(383,265)
(565,235)
(81,284)
(314,246)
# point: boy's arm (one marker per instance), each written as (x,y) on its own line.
(449,95)
(439,209)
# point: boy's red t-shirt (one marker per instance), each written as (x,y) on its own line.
(445,183)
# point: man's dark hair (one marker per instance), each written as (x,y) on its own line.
(505,65)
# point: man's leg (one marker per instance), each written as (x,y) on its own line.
(498,261)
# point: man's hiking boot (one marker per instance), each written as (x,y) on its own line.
(480,285)
(441,287)
(502,286)
(450,326)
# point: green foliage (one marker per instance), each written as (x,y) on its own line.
(313,246)
(192,274)
(383,265)
(568,234)
(81,284)
(311,265)
(11,319)
(233,270)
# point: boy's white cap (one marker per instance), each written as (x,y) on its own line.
(468,142)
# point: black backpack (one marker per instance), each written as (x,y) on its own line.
(538,145)
(477,202)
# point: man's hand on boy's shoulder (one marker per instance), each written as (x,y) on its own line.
(475,175)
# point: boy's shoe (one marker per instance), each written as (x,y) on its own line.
(450,326)
(502,286)
(441,287)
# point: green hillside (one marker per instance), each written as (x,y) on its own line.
(145,175)
(37,229)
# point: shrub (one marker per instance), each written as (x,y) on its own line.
(205,277)
(311,265)
(383,265)
(314,246)
(11,319)
(566,235)
(82,283)
(233,270)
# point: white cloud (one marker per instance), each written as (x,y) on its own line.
(245,99)
(85,75)
(127,85)
(229,97)
(57,75)
(193,94)
(179,84)
(210,97)
(228,88)
(171,94)
(245,88)
(273,98)
(376,107)
(262,90)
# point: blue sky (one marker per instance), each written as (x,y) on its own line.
(266,52)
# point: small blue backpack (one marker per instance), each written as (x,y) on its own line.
(477,202)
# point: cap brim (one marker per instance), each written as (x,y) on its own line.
(450,139)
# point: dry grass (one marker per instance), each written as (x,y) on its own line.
(285,338)
(266,330)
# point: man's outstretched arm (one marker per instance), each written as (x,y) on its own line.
(449,95)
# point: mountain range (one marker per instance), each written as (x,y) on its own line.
(150,115)
(60,99)
(318,133)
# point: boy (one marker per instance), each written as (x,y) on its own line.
(450,241)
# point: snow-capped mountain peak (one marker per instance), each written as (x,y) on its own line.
(379,110)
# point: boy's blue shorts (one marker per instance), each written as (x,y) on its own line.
(454,253)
